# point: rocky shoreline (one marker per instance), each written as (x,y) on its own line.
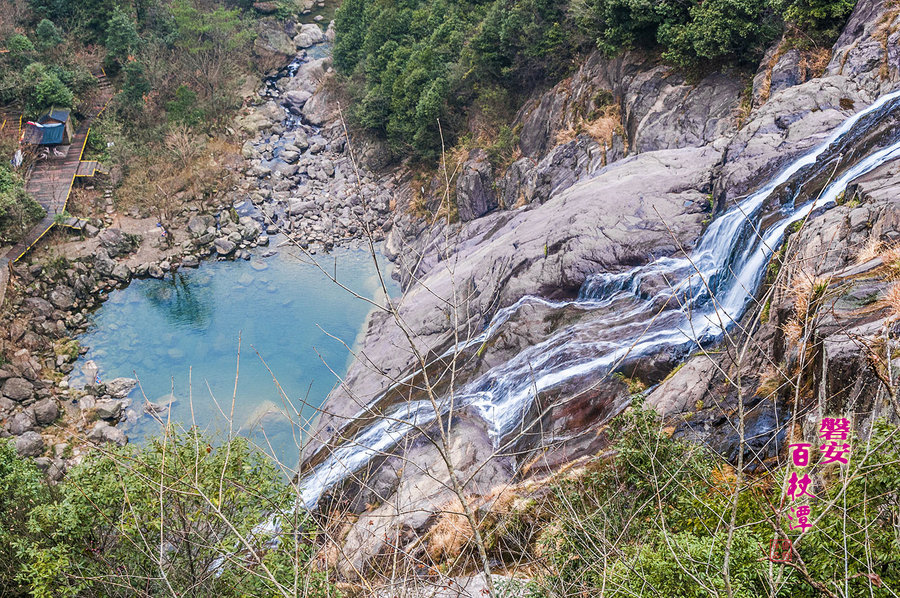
(296,180)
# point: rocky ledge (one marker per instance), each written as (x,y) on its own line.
(578,203)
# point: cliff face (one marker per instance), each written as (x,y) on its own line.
(586,199)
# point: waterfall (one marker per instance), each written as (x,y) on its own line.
(707,293)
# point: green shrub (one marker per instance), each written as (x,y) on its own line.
(428,60)
(19,45)
(135,86)
(18,210)
(47,35)
(22,488)
(822,18)
(653,518)
(44,88)
(720,30)
(183,108)
(411,63)
(121,37)
(201,508)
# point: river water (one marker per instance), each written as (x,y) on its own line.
(184,331)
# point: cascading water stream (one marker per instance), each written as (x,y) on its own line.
(704,295)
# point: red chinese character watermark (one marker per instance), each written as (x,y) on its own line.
(781,550)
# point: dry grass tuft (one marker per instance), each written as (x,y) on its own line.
(772,379)
(450,535)
(891,301)
(793,330)
(807,292)
(869,251)
(601,128)
(890,255)
(815,60)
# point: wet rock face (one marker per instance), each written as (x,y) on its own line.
(474,195)
(792,122)
(639,207)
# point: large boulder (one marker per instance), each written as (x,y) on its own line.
(17,389)
(119,388)
(417,490)
(260,117)
(103,432)
(295,99)
(265,8)
(308,76)
(46,411)
(116,243)
(122,272)
(21,422)
(321,107)
(310,34)
(103,263)
(29,444)
(198,224)
(108,409)
(685,389)
(273,47)
(38,306)
(62,297)
(475,195)
(224,247)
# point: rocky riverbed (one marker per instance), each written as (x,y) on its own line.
(296,180)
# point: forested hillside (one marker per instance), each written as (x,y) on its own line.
(470,63)
(177,66)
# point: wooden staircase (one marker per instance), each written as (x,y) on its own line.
(50,181)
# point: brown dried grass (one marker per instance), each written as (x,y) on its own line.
(805,292)
(601,128)
(891,301)
(450,535)
(869,251)
(890,255)
(770,382)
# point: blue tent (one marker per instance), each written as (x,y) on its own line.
(53,127)
(49,134)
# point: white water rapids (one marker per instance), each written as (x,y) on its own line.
(702,296)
